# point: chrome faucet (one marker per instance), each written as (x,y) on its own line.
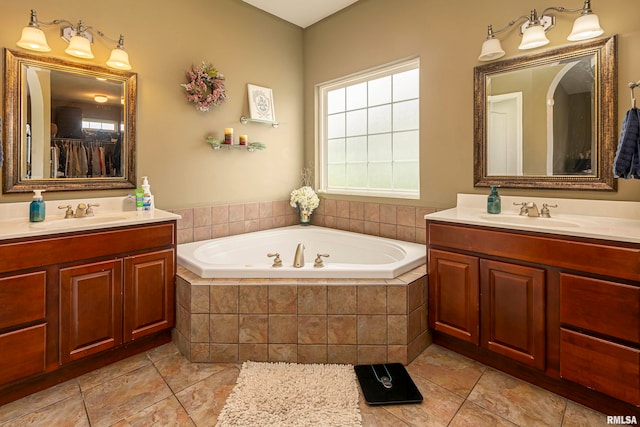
(298,259)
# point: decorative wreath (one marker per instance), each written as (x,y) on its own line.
(205,87)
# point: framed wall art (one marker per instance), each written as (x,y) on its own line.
(261,103)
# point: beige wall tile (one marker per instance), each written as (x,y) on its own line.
(312,329)
(200,352)
(372,228)
(330,207)
(185,235)
(406,215)
(224,353)
(251,211)
(343,208)
(398,354)
(199,299)
(407,234)
(397,299)
(342,354)
(388,230)
(342,329)
(372,299)
(202,233)
(253,352)
(283,329)
(356,225)
(388,214)
(283,299)
(283,353)
(224,299)
(312,299)
(372,330)
(369,354)
(187,218)
(372,212)
(415,323)
(356,210)
(236,228)
(220,214)
(236,213)
(265,209)
(253,299)
(253,329)
(224,328)
(202,216)
(341,300)
(397,328)
(199,328)
(220,230)
(312,353)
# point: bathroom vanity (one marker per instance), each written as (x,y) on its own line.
(554,301)
(79,293)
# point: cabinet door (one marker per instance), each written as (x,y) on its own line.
(513,311)
(149,296)
(90,309)
(454,295)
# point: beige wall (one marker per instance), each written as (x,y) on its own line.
(250,46)
(447,36)
(247,45)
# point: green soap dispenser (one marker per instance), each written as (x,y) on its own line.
(493,201)
(37,207)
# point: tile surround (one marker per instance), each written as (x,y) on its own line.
(392,221)
(332,321)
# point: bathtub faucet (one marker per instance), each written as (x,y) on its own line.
(298,259)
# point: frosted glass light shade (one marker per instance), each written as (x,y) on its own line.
(119,59)
(33,38)
(585,27)
(491,49)
(533,37)
(80,46)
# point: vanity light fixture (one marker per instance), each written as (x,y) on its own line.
(101,99)
(79,37)
(586,26)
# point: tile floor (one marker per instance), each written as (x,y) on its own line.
(161,388)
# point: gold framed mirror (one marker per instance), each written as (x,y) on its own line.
(67,126)
(548,120)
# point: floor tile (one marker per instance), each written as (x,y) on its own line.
(179,373)
(66,413)
(517,401)
(450,370)
(125,395)
(167,412)
(205,399)
(39,400)
(471,415)
(112,371)
(577,415)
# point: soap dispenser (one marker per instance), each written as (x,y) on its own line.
(37,207)
(148,202)
(493,201)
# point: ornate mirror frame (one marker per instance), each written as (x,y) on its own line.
(15,92)
(605,120)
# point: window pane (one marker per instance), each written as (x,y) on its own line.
(380,147)
(357,122)
(357,175)
(380,119)
(380,175)
(406,175)
(405,115)
(357,96)
(357,149)
(406,145)
(406,85)
(335,101)
(335,152)
(337,176)
(335,126)
(380,91)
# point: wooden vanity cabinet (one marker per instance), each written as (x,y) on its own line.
(76,301)
(561,312)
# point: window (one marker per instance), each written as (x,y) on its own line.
(97,124)
(369,133)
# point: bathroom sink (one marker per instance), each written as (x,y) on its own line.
(530,221)
(77,222)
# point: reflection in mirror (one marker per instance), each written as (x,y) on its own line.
(67,126)
(547,120)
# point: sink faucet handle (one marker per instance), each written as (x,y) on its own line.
(69,212)
(318,262)
(523,207)
(544,212)
(90,207)
(277,262)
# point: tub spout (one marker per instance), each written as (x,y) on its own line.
(298,259)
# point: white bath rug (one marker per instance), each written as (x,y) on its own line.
(291,394)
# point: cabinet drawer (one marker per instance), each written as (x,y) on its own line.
(604,366)
(22,298)
(601,306)
(23,353)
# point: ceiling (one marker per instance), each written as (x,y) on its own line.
(303,13)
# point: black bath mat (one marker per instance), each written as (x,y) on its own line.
(401,388)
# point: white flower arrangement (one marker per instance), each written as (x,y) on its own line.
(304,197)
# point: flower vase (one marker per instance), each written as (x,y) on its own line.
(305,214)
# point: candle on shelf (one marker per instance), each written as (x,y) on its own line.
(243,139)
(228,135)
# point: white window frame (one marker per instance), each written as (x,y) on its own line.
(321,148)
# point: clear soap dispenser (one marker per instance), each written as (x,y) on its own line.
(37,207)
(493,201)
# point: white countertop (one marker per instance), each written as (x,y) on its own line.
(14,217)
(597,219)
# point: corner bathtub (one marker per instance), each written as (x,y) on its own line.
(351,255)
